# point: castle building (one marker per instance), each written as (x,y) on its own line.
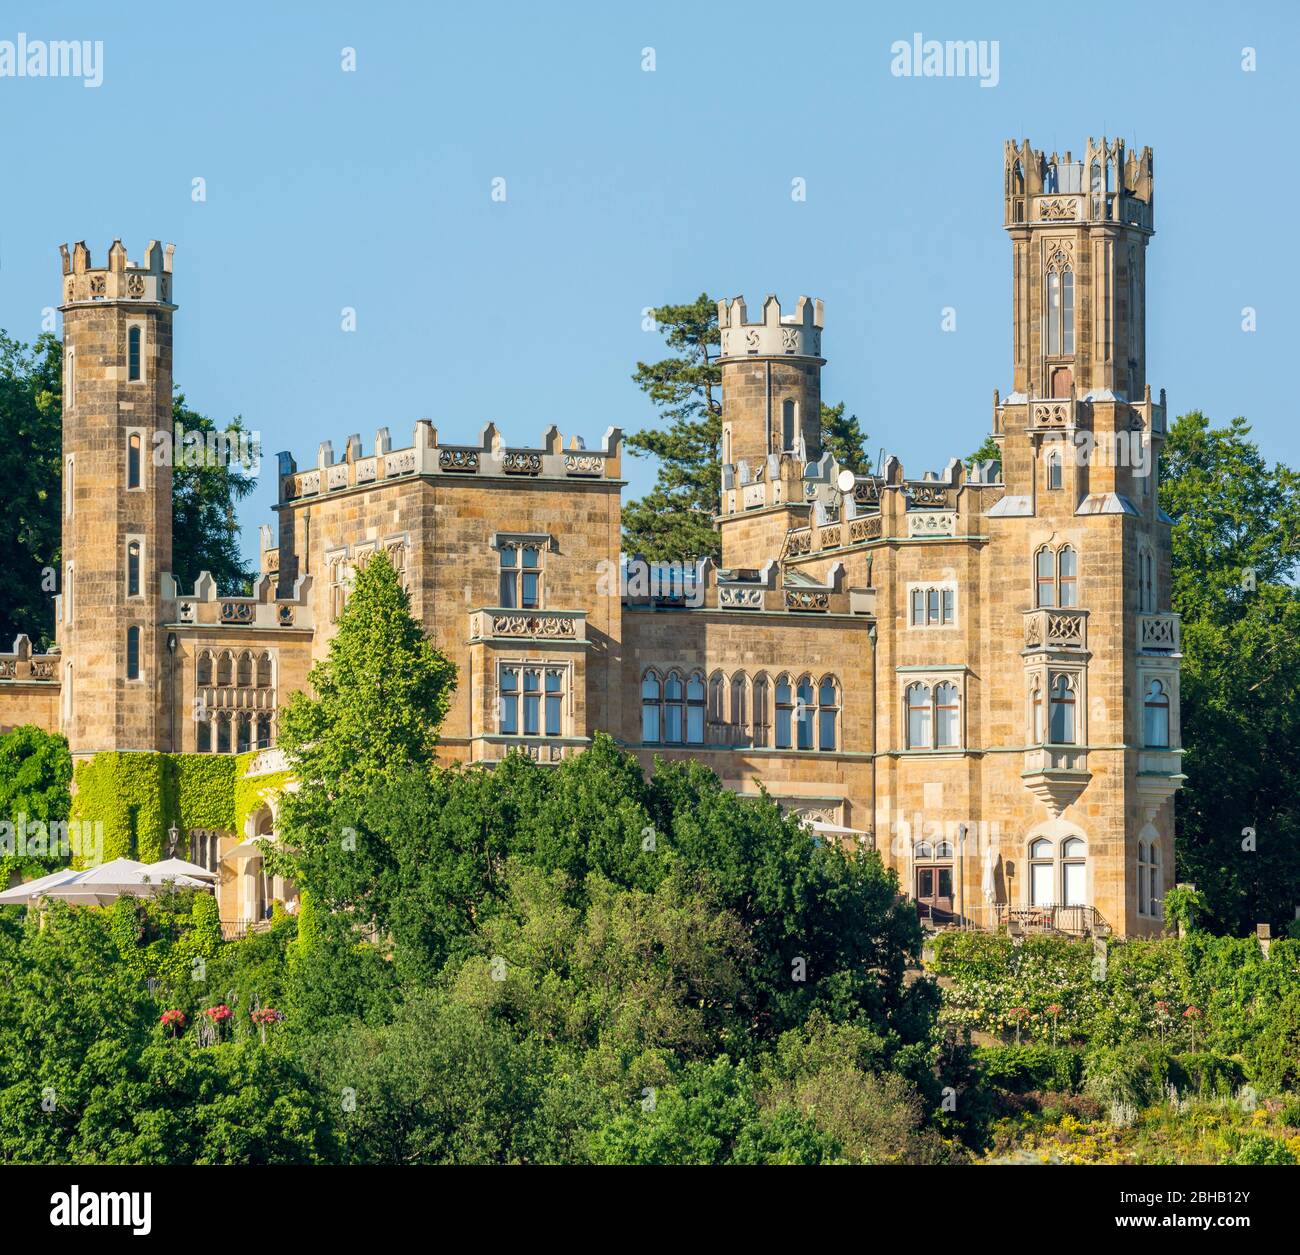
(975,672)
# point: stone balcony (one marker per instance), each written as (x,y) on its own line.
(1056,774)
(22,665)
(500,623)
(1056,628)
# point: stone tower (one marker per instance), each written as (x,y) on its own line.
(1079,231)
(771,418)
(117,503)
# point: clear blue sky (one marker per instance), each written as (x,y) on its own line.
(626,189)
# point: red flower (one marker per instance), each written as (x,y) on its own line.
(172,1017)
(217,1014)
(1192,1013)
(1055,1009)
(268,1015)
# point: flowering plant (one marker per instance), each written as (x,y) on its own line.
(174,1020)
(268,1015)
(218,1014)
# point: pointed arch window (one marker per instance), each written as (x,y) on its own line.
(919,721)
(789,417)
(133,568)
(1155,716)
(717,717)
(674,709)
(203,670)
(739,709)
(947,710)
(1060,311)
(1062,710)
(650,696)
(264,672)
(1045,577)
(695,709)
(1056,577)
(784,713)
(1054,475)
(828,710)
(134,459)
(133,354)
(804,713)
(244,670)
(224,669)
(1067,567)
(762,711)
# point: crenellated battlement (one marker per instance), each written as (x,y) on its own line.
(489,459)
(1111,184)
(121,279)
(775,334)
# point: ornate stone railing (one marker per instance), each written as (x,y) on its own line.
(922,524)
(866,527)
(806,599)
(552,625)
(22,666)
(1159,633)
(1060,628)
(740,598)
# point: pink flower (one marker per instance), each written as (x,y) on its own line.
(217,1014)
(172,1017)
(1192,1013)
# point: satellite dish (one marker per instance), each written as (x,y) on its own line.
(846,481)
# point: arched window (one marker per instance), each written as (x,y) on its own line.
(133,468)
(828,703)
(243,733)
(203,670)
(726,446)
(674,717)
(947,716)
(762,711)
(1146,582)
(788,421)
(133,354)
(1045,577)
(1074,872)
(133,568)
(263,732)
(1042,873)
(650,694)
(804,713)
(203,736)
(943,849)
(224,664)
(1053,469)
(133,653)
(69,486)
(739,710)
(264,672)
(1062,710)
(919,735)
(1036,713)
(695,698)
(69,581)
(784,713)
(717,723)
(1067,564)
(922,850)
(1060,312)
(1155,887)
(1155,716)
(223,732)
(244,670)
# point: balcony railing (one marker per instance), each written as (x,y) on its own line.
(1056,628)
(1068,919)
(542,625)
(1159,633)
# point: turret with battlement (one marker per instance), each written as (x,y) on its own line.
(117,500)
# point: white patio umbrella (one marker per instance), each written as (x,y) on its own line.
(98,886)
(20,895)
(172,868)
(988,881)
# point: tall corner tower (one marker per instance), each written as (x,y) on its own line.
(117,499)
(1079,232)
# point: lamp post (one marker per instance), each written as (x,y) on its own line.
(173,836)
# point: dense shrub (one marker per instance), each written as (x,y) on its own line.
(1023,1068)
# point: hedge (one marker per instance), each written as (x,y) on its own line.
(1020,1068)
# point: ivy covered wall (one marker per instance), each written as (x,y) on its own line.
(139,796)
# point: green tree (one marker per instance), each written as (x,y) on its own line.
(843,436)
(35,775)
(987,452)
(1236,538)
(205,531)
(31,388)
